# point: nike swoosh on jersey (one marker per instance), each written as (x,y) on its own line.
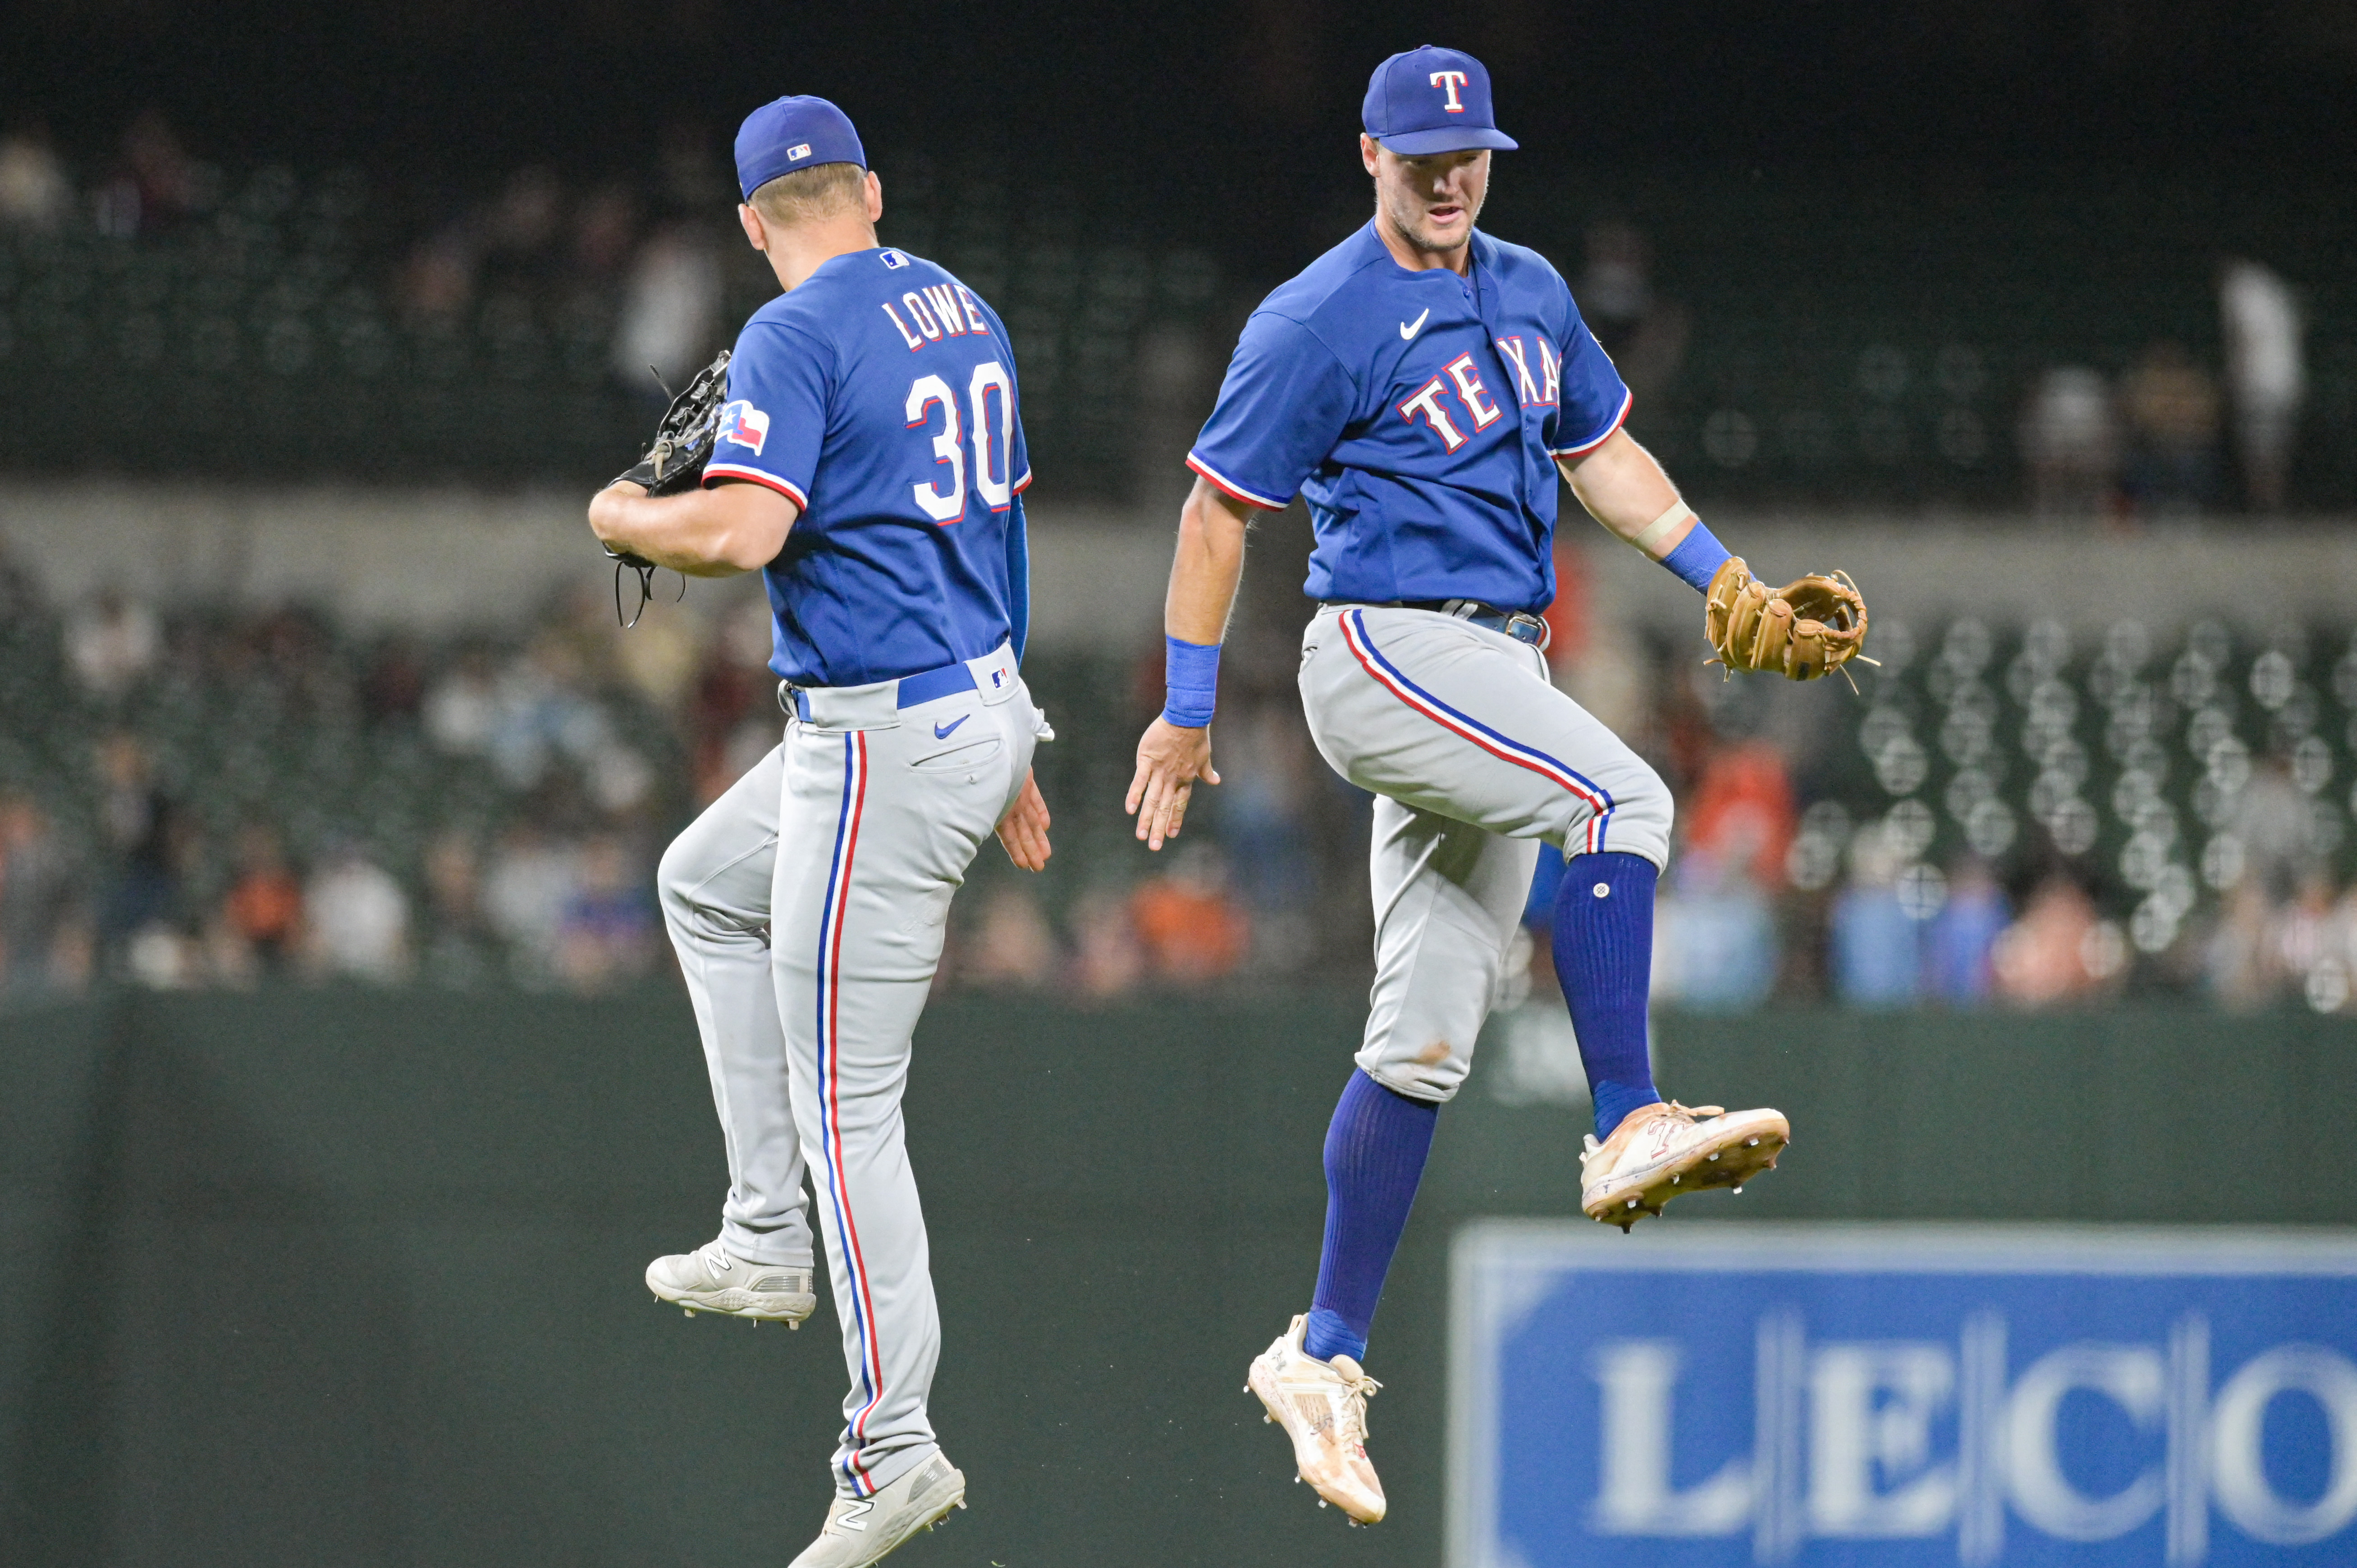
(1407,333)
(941,732)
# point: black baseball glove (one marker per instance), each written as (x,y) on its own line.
(674,463)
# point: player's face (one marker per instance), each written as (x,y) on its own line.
(1430,201)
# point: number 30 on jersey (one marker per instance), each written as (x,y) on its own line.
(942,496)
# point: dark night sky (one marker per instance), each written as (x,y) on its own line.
(1178,108)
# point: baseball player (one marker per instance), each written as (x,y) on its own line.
(1421,385)
(870,463)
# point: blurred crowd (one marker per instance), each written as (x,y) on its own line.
(211,798)
(510,326)
(196,795)
(653,245)
(2155,443)
(580,286)
(202,796)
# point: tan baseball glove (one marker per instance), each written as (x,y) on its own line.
(1804,630)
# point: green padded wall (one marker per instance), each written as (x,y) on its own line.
(351,1278)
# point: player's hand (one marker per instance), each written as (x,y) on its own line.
(1169,760)
(1024,830)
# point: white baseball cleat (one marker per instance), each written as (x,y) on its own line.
(1664,1150)
(861,1530)
(1322,1406)
(711,1280)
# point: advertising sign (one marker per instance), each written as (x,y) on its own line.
(1878,1396)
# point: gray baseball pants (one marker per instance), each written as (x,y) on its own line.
(1476,761)
(807,904)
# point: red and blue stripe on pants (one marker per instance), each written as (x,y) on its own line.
(830,1089)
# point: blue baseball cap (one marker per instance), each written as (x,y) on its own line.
(1432,101)
(788,135)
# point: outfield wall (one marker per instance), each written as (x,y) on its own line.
(352,1278)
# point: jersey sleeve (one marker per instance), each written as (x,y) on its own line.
(1594,399)
(1281,410)
(774,423)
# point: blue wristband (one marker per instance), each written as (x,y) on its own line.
(1190,670)
(1698,557)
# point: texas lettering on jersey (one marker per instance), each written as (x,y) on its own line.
(1464,377)
(1419,415)
(1534,395)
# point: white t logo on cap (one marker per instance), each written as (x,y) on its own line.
(800,150)
(1452,80)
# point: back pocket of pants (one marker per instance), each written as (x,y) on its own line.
(965,758)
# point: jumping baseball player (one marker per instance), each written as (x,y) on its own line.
(1421,385)
(869,462)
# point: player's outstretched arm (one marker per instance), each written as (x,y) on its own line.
(714,532)
(1807,628)
(1176,749)
(1625,489)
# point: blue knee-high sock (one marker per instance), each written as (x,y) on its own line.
(1376,1150)
(1604,959)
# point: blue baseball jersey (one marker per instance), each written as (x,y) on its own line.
(879,396)
(1419,414)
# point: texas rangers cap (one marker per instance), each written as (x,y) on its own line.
(792,134)
(1431,101)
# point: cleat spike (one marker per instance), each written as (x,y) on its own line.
(689,1310)
(1267,1420)
(1752,1142)
(1673,1181)
(1632,1203)
(792,1323)
(1714,1153)
(1321,1502)
(1738,1190)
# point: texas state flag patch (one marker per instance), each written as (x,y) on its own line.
(742,422)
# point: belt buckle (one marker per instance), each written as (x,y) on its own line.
(1543,633)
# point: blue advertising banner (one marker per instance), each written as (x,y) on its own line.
(1901,1396)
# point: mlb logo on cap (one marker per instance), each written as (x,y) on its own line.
(788,135)
(1432,101)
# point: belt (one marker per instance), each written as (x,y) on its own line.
(907,691)
(1520,625)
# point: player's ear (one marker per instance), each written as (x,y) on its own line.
(1371,152)
(755,235)
(874,196)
